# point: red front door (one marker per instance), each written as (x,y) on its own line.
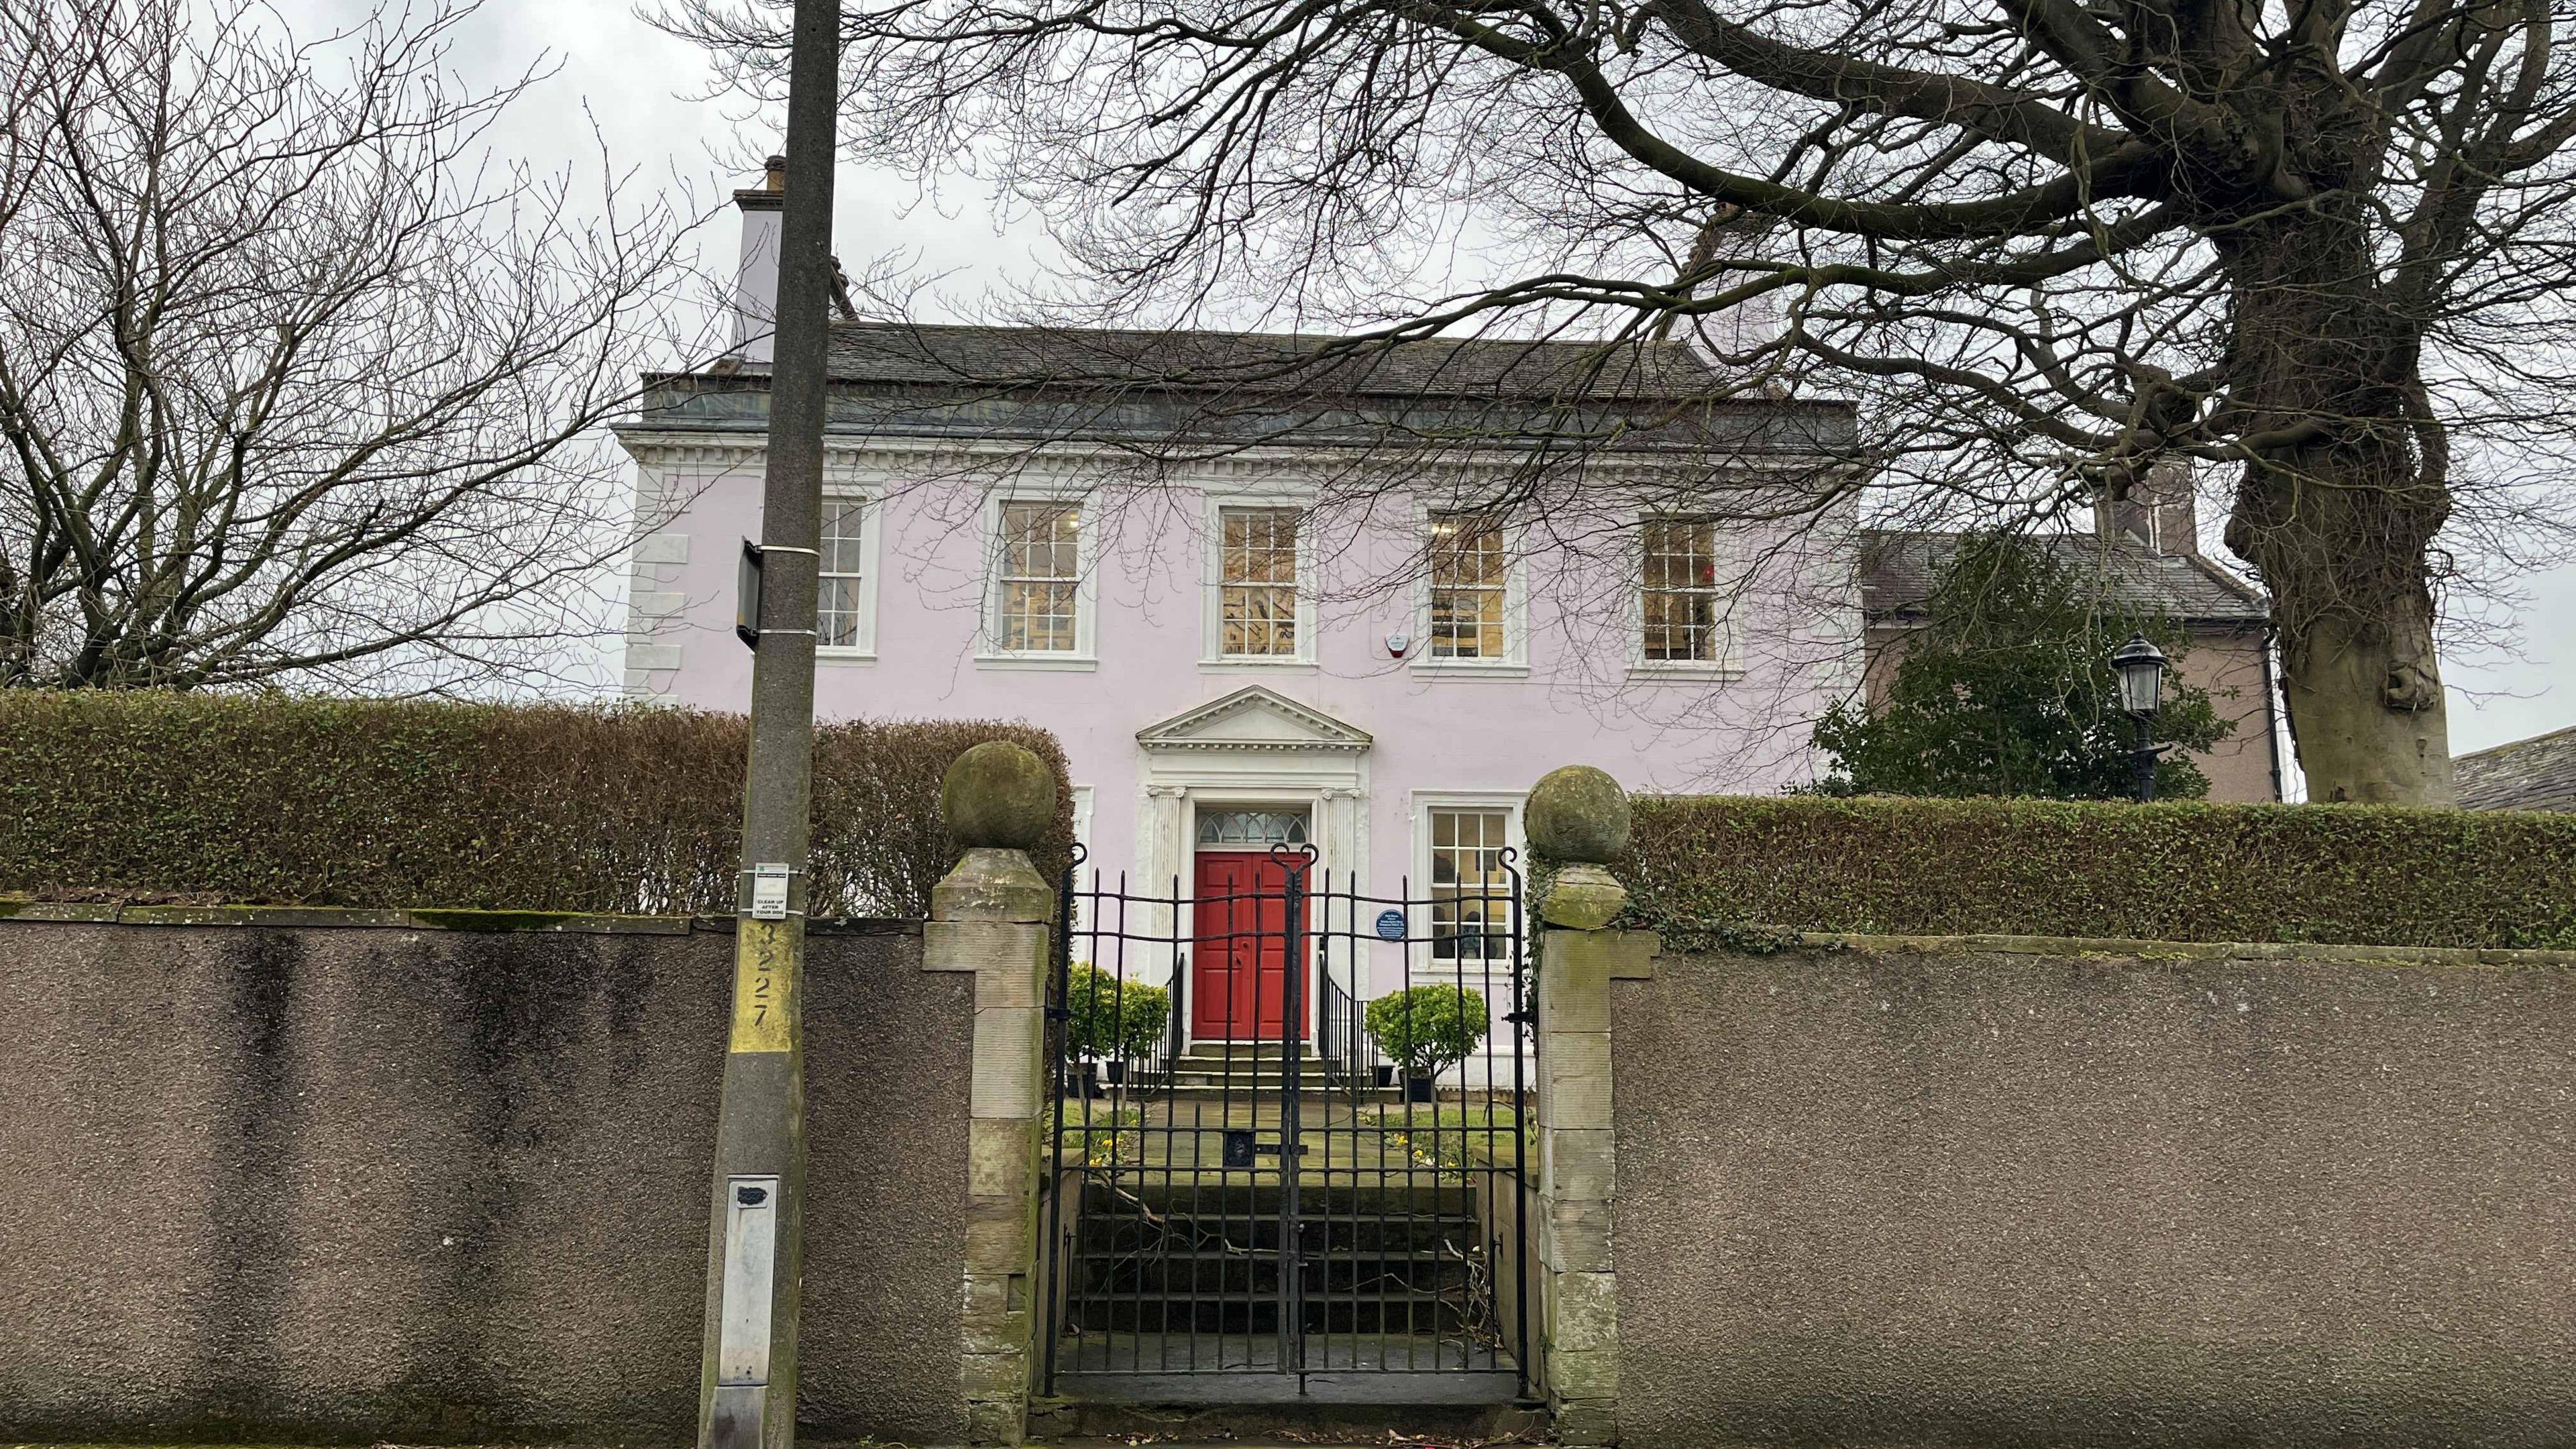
(1239,958)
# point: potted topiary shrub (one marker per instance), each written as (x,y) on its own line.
(1111,1022)
(1425,1029)
(1138,1029)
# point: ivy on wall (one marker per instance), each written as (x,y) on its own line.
(147,795)
(2349,874)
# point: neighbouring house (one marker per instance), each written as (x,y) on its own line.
(2534,774)
(1254,650)
(2144,553)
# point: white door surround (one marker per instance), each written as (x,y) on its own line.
(1252,748)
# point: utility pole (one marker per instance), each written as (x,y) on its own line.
(755,1259)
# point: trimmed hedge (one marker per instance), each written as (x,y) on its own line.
(146,795)
(2348,874)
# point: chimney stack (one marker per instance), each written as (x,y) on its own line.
(2157,511)
(755,277)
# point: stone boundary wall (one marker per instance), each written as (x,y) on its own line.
(2016,1191)
(318,1175)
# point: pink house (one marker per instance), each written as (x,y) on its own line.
(1284,629)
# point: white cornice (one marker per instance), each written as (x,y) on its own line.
(901,457)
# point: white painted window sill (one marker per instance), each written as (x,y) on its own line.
(1471,668)
(1283,664)
(1684,673)
(845,656)
(1058,663)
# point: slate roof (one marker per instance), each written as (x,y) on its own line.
(1257,361)
(1248,387)
(1899,567)
(2534,774)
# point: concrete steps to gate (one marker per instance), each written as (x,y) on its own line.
(1381,1260)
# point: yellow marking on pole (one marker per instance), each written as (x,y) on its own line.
(765,957)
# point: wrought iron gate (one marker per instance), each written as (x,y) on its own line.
(1317,1190)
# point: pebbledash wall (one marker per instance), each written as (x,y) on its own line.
(297,1177)
(386,1182)
(2011,1191)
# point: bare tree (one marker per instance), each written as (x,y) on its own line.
(2320,244)
(293,382)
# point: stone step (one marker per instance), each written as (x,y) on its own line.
(1316,1095)
(1247,1069)
(1397,1243)
(1147,1275)
(1266,1256)
(1205,1051)
(1258,1313)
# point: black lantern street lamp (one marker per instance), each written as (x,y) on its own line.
(2141,667)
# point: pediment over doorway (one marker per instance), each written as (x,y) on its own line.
(1254,718)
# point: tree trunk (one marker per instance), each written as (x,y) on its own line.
(2339,508)
(2353,742)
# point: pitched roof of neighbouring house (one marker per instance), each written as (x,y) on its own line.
(1900,566)
(2534,774)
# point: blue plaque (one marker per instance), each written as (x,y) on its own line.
(1390,925)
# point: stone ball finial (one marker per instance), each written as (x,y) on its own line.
(998,794)
(1577,815)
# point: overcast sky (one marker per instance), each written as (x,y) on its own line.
(641,87)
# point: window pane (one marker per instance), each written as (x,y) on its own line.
(836,593)
(1679,590)
(1470,895)
(1257,591)
(836,622)
(1252,828)
(1468,573)
(1041,560)
(1038,616)
(841,537)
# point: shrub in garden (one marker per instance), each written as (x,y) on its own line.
(1112,1020)
(1423,1029)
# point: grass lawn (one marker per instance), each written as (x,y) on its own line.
(1454,1135)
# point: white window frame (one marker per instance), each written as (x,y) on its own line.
(1729,663)
(1084,656)
(1082,807)
(1513,663)
(871,528)
(1212,655)
(1421,803)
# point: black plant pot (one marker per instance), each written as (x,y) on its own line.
(1386,1074)
(1420,1089)
(1086,1081)
(1117,1071)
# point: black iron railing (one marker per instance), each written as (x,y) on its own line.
(1350,1058)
